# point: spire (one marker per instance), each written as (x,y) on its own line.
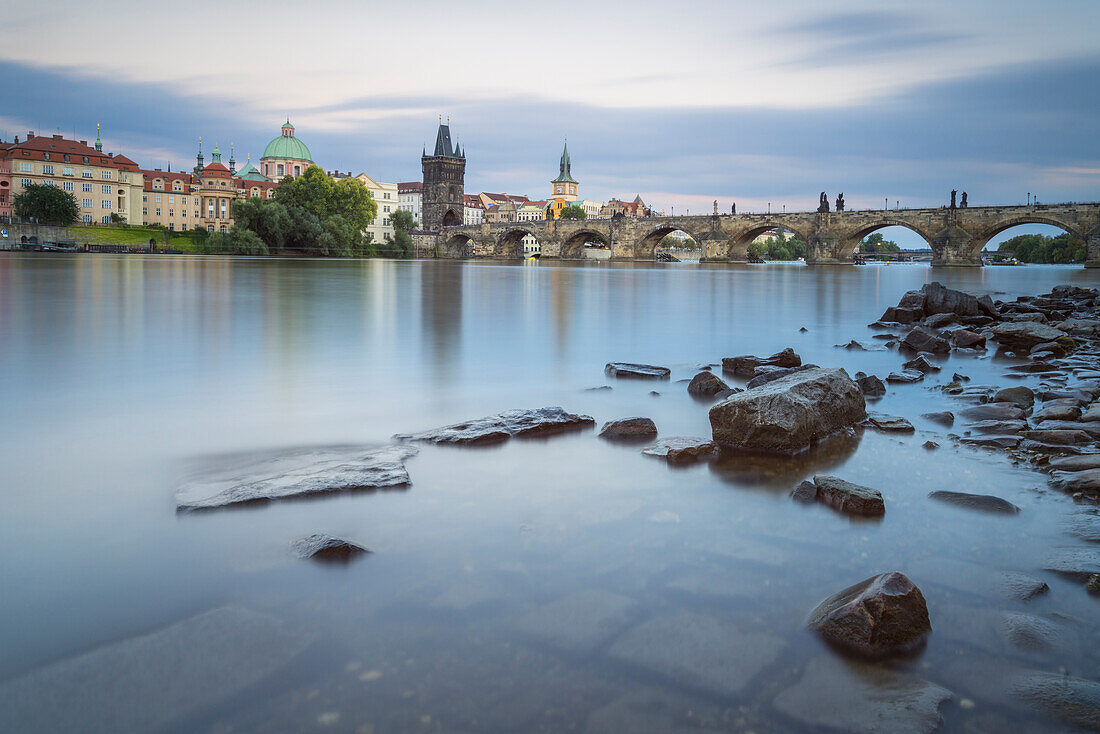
(443,141)
(216,156)
(565,173)
(198,158)
(98,142)
(232,163)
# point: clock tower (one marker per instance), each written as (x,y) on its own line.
(564,187)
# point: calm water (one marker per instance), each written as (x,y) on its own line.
(503,580)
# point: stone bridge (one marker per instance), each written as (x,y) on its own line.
(956,236)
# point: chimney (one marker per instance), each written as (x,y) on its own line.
(30,135)
(83,142)
(58,137)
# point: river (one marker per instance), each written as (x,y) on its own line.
(504,580)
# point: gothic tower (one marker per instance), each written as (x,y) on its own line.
(444,178)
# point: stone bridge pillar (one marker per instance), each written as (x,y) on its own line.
(824,244)
(1092,250)
(954,246)
(713,251)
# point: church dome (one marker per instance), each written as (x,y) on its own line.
(287,146)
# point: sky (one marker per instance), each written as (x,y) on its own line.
(682,103)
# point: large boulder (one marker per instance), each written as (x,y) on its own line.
(502,426)
(940,299)
(923,339)
(789,414)
(764,375)
(706,384)
(1025,334)
(745,366)
(849,498)
(878,617)
(966,339)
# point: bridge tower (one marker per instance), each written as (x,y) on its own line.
(444,182)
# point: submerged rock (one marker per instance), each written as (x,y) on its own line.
(706,384)
(1085,480)
(636,371)
(805,492)
(745,365)
(298,474)
(862,699)
(943,417)
(849,498)
(1075,701)
(881,616)
(328,549)
(629,429)
(889,423)
(502,426)
(789,414)
(981,502)
(682,450)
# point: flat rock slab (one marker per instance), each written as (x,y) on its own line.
(502,426)
(849,498)
(1076,463)
(657,710)
(862,698)
(745,365)
(1087,481)
(1025,333)
(889,423)
(1073,700)
(328,549)
(1073,561)
(682,449)
(980,502)
(147,683)
(636,371)
(943,417)
(905,376)
(992,442)
(995,412)
(579,623)
(298,474)
(699,651)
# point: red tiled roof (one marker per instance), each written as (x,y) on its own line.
(409,187)
(56,144)
(472,201)
(216,168)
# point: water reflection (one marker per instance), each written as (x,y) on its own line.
(781,473)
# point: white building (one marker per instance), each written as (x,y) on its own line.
(591,208)
(532,211)
(386,196)
(410,199)
(473,210)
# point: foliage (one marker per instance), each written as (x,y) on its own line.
(670,242)
(117,218)
(875,243)
(1037,248)
(401,245)
(779,247)
(235,242)
(573,211)
(319,194)
(46,204)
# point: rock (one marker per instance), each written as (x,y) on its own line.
(803,330)
(579,623)
(889,423)
(1091,414)
(939,299)
(1073,562)
(1057,413)
(849,498)
(1002,427)
(862,699)
(871,386)
(885,337)
(152,682)
(992,442)
(1033,368)
(980,502)
(1019,586)
(1091,428)
(706,384)
(789,414)
(1076,463)
(721,395)
(1058,438)
(601,388)
(328,549)
(1057,349)
(698,651)
(1020,395)
(1084,480)
(905,376)
(629,429)
(1093,584)
(1029,632)
(502,426)
(997,410)
(805,492)
(943,417)
(636,371)
(1075,701)
(1025,334)
(301,473)
(921,364)
(774,373)
(922,339)
(960,378)
(881,616)
(899,315)
(966,339)
(745,365)
(930,445)
(682,450)
(940,320)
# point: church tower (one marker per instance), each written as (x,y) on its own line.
(564,187)
(444,181)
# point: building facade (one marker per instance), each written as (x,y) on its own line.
(101,185)
(285,155)
(444,179)
(473,211)
(410,199)
(636,208)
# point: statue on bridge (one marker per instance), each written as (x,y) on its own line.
(733,208)
(840,203)
(962,203)
(823,205)
(716,207)
(953,193)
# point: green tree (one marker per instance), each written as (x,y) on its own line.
(875,243)
(269,220)
(573,211)
(319,194)
(46,204)
(1037,248)
(779,247)
(403,223)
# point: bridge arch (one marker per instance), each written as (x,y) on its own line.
(645,247)
(510,243)
(458,246)
(572,248)
(982,237)
(738,245)
(452,219)
(850,241)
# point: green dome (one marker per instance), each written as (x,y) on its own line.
(287,146)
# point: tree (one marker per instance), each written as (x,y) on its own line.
(1037,248)
(403,223)
(779,247)
(875,243)
(319,194)
(117,218)
(573,211)
(46,204)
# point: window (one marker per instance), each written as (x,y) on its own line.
(297,170)
(144,211)
(171,212)
(171,200)
(210,228)
(86,173)
(105,174)
(105,188)
(183,213)
(224,229)
(67,170)
(47,169)
(46,156)
(158,198)
(105,204)
(145,198)
(158,211)
(172,226)
(86,203)
(87,219)
(106,219)
(158,185)
(26,167)
(67,185)
(280,169)
(67,159)
(86,188)
(183,200)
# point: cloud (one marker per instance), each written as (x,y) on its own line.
(847,39)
